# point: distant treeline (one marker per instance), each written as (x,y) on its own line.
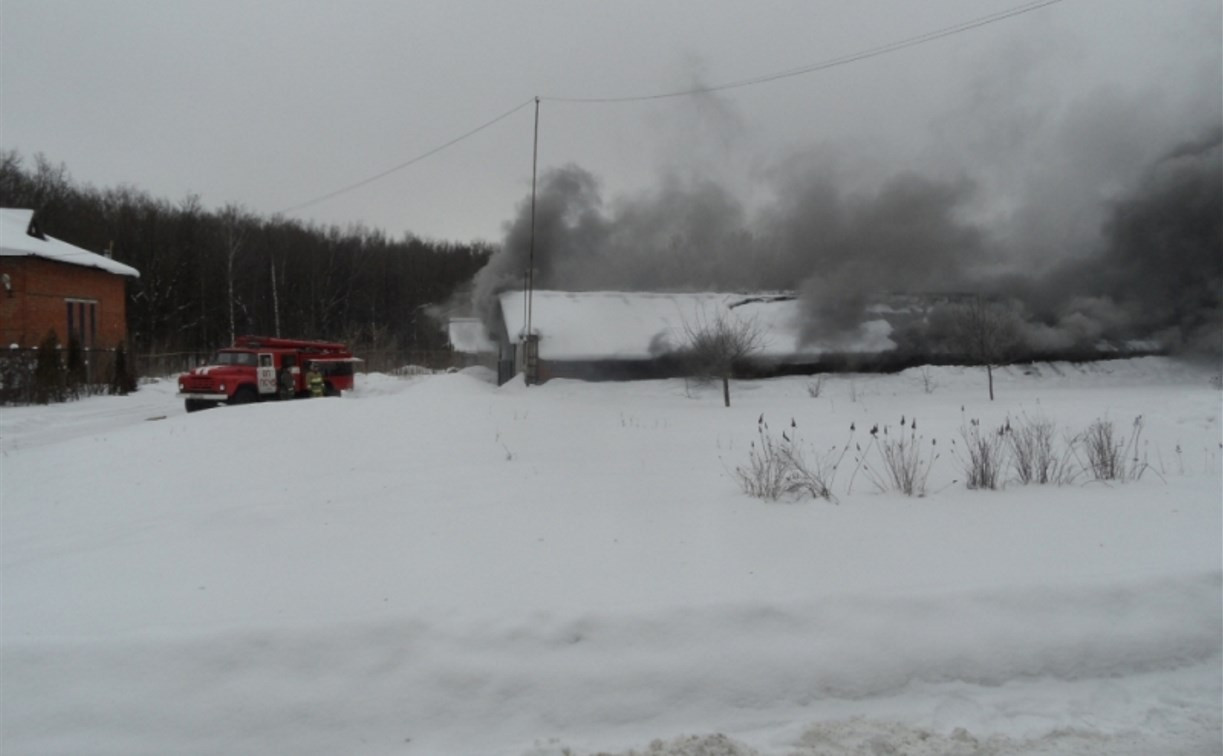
(208,275)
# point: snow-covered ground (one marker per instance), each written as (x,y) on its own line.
(435,565)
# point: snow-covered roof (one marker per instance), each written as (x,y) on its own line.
(600,325)
(15,241)
(468,335)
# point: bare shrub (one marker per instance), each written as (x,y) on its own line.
(784,468)
(1033,454)
(1102,446)
(812,476)
(764,475)
(816,387)
(928,383)
(905,459)
(983,455)
(1110,456)
(907,466)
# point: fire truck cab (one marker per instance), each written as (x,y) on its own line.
(261,368)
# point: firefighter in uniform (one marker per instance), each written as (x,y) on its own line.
(314,379)
(284,383)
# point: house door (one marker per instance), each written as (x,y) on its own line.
(265,374)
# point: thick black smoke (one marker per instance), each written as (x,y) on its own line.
(842,251)
(847,251)
(682,236)
(1163,263)
(1156,271)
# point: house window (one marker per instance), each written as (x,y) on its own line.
(83,320)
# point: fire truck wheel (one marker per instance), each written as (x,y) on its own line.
(195,405)
(244,395)
(329,390)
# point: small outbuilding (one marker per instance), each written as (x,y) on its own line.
(47,284)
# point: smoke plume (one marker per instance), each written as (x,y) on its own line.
(1158,272)
(1153,271)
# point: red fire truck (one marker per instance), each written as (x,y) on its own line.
(259,368)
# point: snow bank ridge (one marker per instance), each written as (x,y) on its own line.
(839,647)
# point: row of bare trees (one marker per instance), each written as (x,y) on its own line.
(208,275)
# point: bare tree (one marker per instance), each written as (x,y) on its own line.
(234,221)
(987,333)
(715,345)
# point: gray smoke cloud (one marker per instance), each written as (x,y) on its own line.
(692,235)
(1158,272)
(1153,269)
(685,235)
(848,251)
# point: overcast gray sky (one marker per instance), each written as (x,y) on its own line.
(270,103)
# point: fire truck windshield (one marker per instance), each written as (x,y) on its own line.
(234,358)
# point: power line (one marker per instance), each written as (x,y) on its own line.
(407,163)
(823,65)
(762,79)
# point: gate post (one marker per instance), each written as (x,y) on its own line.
(530,361)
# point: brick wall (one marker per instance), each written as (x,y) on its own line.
(40,293)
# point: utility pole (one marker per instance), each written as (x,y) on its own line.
(530,342)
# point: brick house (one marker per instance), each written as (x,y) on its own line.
(47,284)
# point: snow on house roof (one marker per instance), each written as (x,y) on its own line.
(16,241)
(602,325)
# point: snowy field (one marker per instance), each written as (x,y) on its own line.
(435,565)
